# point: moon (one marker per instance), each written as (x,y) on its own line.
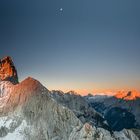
(61,9)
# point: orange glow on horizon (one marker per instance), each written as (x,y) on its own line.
(110,92)
(128,95)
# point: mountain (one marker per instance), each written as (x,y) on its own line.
(121,110)
(28,112)
(128,95)
(80,108)
(8,71)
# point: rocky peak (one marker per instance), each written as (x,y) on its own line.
(71,92)
(8,71)
(128,95)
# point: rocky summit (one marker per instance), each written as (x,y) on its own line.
(8,71)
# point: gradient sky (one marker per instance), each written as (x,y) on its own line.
(90,45)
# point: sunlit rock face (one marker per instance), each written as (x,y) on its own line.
(8,71)
(128,95)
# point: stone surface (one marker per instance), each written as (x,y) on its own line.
(8,71)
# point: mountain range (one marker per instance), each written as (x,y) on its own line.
(121,110)
(29,111)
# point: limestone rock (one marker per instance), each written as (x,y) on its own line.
(8,71)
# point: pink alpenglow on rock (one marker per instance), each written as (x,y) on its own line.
(8,71)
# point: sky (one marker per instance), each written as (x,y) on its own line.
(81,45)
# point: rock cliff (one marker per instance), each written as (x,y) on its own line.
(8,71)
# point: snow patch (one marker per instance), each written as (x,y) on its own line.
(18,134)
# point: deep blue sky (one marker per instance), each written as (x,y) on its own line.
(90,45)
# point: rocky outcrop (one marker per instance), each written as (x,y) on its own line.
(86,132)
(8,71)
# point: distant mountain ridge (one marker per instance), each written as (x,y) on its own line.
(128,95)
(125,105)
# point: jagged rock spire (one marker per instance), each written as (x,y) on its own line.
(8,71)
